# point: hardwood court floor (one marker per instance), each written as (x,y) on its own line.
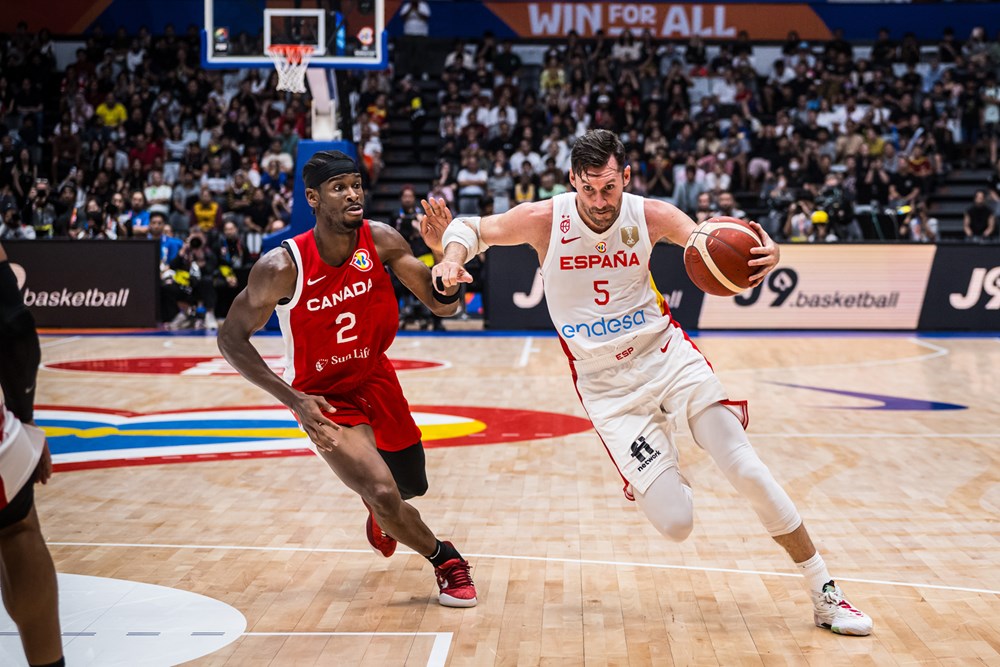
(905,504)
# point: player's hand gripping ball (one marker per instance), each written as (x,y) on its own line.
(717,253)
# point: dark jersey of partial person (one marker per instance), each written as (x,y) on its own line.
(20,446)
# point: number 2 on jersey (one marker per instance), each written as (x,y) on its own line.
(341,333)
(605,294)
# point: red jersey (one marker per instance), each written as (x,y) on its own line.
(336,328)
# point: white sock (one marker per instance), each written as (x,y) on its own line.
(815,573)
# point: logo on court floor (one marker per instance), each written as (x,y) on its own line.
(198,366)
(84,437)
(885,401)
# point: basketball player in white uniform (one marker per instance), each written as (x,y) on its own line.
(636,371)
(27,575)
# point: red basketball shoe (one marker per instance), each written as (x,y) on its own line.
(380,542)
(455,581)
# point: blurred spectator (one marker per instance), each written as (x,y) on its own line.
(726,207)
(507,63)
(234,262)
(525,188)
(798,222)
(525,154)
(471,185)
(413,107)
(821,229)
(407,223)
(169,246)
(14,227)
(979,222)
(136,218)
(39,211)
(918,225)
(112,115)
(549,187)
(276,154)
(704,209)
(500,184)
(24,174)
(688,189)
(66,151)
(159,195)
(239,194)
(192,287)
(206,214)
(658,177)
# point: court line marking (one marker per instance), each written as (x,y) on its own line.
(526,351)
(437,658)
(540,559)
(937,351)
(847,436)
(53,343)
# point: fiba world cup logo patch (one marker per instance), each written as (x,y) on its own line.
(361,261)
(366,36)
(602,247)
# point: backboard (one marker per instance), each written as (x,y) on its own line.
(348,34)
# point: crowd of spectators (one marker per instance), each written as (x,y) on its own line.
(833,141)
(134,139)
(829,142)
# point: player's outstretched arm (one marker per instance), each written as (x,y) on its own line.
(395,252)
(271,280)
(526,223)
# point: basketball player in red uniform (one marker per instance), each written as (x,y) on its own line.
(30,593)
(338,316)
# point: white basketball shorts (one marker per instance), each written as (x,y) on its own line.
(20,448)
(635,395)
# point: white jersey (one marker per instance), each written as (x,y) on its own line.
(598,286)
(20,449)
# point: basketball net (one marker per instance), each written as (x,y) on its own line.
(291,61)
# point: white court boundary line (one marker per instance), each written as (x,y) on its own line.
(437,658)
(53,343)
(526,350)
(887,436)
(541,559)
(938,351)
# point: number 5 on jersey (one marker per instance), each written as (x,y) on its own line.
(605,294)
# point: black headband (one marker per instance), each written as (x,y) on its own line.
(325,165)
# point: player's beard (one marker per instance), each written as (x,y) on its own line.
(605,219)
(353,220)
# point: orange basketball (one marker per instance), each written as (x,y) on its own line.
(717,253)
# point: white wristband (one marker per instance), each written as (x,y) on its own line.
(465,231)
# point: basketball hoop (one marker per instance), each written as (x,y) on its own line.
(291,61)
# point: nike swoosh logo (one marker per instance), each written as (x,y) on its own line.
(313,281)
(566,240)
(664,348)
(888,402)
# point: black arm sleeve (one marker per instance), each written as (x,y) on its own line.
(20,353)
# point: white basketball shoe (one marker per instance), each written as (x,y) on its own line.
(833,612)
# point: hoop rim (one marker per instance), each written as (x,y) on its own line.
(292,53)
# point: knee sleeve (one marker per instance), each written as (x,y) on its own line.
(668,504)
(409,470)
(718,431)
